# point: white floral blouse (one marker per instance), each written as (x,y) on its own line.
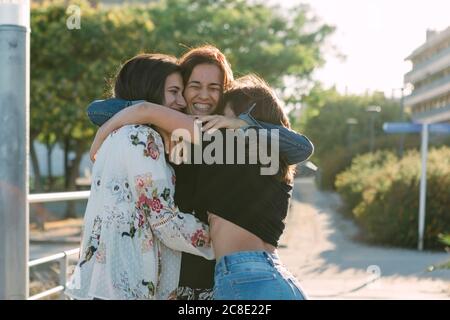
(133,232)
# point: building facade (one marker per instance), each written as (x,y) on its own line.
(429,102)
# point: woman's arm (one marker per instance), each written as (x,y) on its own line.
(294,146)
(174,122)
(100,111)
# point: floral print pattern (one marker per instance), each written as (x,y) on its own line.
(132,225)
(151,145)
(120,189)
(139,290)
(187,293)
(200,238)
(93,241)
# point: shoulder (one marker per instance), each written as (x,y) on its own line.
(137,137)
(135,133)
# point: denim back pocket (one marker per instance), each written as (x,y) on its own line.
(256,285)
(253,276)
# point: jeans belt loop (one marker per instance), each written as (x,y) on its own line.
(269,259)
(225,264)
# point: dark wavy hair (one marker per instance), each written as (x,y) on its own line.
(143,77)
(249,91)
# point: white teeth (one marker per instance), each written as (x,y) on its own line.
(202,106)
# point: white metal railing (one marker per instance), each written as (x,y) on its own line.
(59,196)
(62,257)
(63,265)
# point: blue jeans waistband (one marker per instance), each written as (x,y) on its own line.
(226,262)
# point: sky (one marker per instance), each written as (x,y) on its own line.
(375,36)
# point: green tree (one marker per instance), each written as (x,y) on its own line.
(256,37)
(69,67)
(325,121)
(68,70)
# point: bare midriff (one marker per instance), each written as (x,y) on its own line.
(228,238)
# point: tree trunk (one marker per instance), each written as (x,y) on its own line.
(50,165)
(37,171)
(72,175)
(66,163)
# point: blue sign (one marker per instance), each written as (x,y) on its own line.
(439,128)
(407,127)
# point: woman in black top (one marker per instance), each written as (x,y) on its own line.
(247,209)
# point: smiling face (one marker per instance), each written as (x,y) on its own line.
(173,92)
(204,89)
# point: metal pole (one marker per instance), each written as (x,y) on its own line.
(349,137)
(402,116)
(372,123)
(372,110)
(14,126)
(351,122)
(63,266)
(423,185)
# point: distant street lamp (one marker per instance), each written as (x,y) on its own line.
(351,122)
(373,110)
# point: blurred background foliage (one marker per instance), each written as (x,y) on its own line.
(381,193)
(70,68)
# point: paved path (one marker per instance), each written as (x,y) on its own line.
(58,236)
(321,252)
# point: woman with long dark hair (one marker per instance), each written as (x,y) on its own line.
(247,209)
(133,231)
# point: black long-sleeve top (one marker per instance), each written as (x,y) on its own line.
(238,193)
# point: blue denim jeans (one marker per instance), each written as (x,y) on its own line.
(254,275)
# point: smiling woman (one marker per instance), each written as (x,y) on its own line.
(206,74)
(133,231)
(204,89)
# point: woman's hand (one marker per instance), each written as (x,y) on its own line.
(214,122)
(100,137)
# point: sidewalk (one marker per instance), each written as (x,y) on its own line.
(330,265)
(317,247)
(63,231)
(57,237)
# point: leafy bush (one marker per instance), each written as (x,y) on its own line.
(352,182)
(445,239)
(382,193)
(340,157)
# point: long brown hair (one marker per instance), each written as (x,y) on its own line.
(251,90)
(143,77)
